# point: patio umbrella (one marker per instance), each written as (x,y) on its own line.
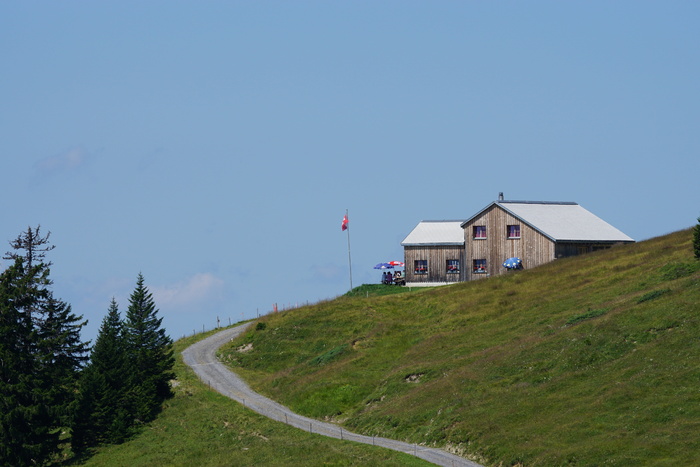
(513,263)
(397,263)
(383,266)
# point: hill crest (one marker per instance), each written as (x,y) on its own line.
(583,360)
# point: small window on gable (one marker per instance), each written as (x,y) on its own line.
(479,231)
(479,266)
(452,266)
(420,266)
(514,231)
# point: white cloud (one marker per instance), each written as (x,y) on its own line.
(70,159)
(197,289)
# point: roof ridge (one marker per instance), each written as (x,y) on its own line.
(568,203)
(444,220)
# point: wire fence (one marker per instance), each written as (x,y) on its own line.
(222,322)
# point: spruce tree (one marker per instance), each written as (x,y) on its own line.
(42,336)
(100,415)
(61,355)
(150,353)
(23,430)
(34,246)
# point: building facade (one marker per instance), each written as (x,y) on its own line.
(533,231)
(434,253)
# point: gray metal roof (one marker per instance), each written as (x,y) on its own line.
(562,221)
(436,233)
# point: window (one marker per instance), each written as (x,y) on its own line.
(479,231)
(420,266)
(452,266)
(514,231)
(479,266)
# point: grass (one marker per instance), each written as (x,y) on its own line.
(590,314)
(203,428)
(584,361)
(376,290)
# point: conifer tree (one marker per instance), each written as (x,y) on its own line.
(42,354)
(34,245)
(23,431)
(60,354)
(150,353)
(100,415)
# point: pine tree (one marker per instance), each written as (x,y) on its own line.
(100,415)
(61,355)
(34,268)
(42,354)
(37,389)
(22,430)
(34,245)
(150,352)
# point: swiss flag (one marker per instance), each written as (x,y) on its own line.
(344,225)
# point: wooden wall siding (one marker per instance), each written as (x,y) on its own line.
(572,249)
(437,257)
(532,247)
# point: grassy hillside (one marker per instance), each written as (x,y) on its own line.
(585,361)
(202,428)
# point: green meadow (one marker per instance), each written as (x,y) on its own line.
(200,427)
(592,360)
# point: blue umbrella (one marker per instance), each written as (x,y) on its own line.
(513,263)
(384,266)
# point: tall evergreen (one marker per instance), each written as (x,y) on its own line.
(23,429)
(41,356)
(34,246)
(150,352)
(100,415)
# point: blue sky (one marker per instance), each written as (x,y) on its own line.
(215,146)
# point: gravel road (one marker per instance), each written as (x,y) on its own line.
(201,357)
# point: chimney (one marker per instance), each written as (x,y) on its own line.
(500,196)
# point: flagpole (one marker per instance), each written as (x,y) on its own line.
(349,256)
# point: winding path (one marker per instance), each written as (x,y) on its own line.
(201,357)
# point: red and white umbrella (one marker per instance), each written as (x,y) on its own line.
(397,263)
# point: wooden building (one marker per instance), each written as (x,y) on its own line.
(536,232)
(434,253)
